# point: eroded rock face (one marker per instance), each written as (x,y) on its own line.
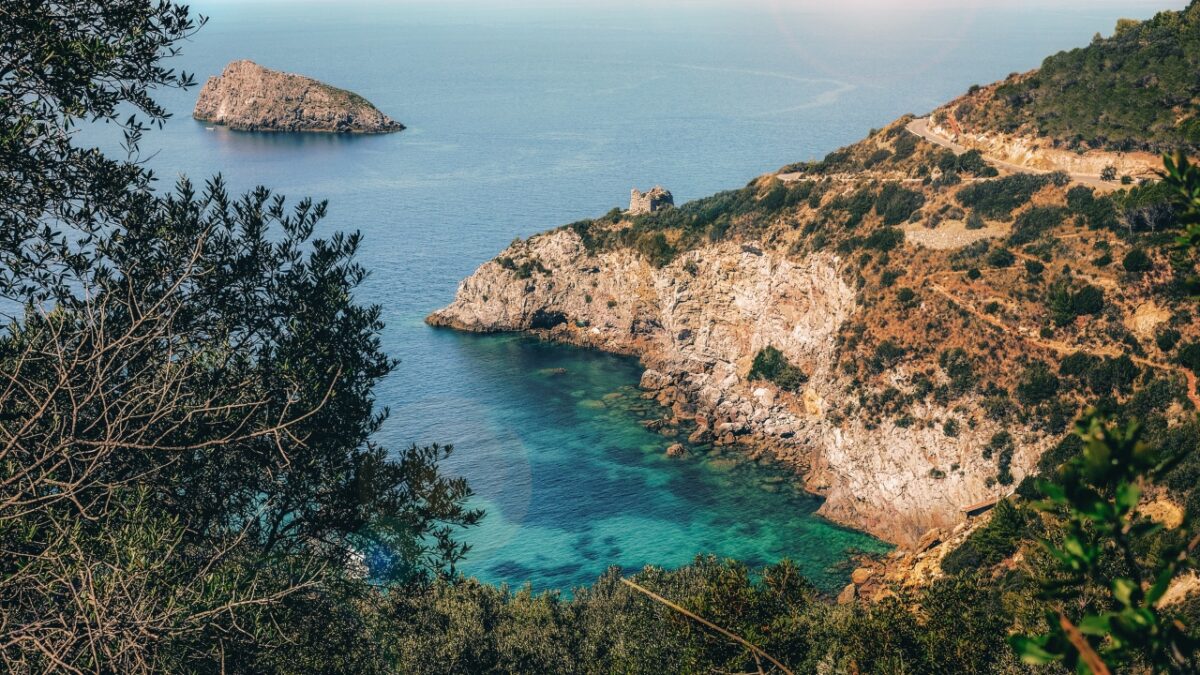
(249,97)
(698,323)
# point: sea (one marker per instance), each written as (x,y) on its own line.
(525,116)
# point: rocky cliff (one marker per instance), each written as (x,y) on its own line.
(697,324)
(249,97)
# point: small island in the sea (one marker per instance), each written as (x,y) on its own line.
(249,97)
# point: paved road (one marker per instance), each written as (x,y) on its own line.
(920,127)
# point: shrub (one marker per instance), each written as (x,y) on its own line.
(1079,364)
(997,198)
(956,363)
(880,155)
(1110,375)
(1167,339)
(885,239)
(1137,262)
(655,248)
(975,221)
(1034,268)
(906,295)
(896,204)
(887,354)
(990,544)
(950,428)
(771,365)
(1000,258)
(1189,357)
(1035,222)
(1088,300)
(905,146)
(1065,304)
(1037,384)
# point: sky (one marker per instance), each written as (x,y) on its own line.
(801,5)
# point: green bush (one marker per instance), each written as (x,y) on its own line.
(1167,339)
(1037,384)
(655,248)
(1065,304)
(1035,222)
(990,544)
(896,204)
(1000,258)
(996,199)
(1189,357)
(1137,262)
(1121,93)
(771,365)
(956,363)
(885,239)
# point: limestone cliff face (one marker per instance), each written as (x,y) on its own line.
(697,325)
(249,97)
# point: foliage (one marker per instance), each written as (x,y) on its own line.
(1037,384)
(187,468)
(1137,262)
(896,204)
(1066,302)
(996,199)
(1035,222)
(1000,258)
(992,543)
(771,365)
(1146,72)
(1098,494)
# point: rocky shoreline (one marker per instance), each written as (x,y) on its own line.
(696,325)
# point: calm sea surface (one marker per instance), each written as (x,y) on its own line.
(524,119)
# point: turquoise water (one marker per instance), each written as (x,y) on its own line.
(521,119)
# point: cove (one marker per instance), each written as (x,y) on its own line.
(594,488)
(521,119)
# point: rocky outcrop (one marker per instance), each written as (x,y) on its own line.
(249,97)
(657,199)
(697,324)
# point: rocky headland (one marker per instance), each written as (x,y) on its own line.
(249,97)
(697,324)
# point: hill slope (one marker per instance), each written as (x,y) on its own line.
(1136,90)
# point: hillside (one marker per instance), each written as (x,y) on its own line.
(948,322)
(1136,90)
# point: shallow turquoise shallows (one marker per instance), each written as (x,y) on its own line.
(524,119)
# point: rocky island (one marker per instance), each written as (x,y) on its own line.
(249,97)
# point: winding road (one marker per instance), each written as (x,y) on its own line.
(920,127)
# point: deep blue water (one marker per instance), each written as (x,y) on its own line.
(523,119)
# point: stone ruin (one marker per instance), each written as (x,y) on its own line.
(656,199)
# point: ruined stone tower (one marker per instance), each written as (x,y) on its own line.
(656,199)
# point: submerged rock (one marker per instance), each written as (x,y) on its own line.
(249,97)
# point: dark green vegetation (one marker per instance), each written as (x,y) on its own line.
(996,199)
(1135,90)
(187,480)
(771,365)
